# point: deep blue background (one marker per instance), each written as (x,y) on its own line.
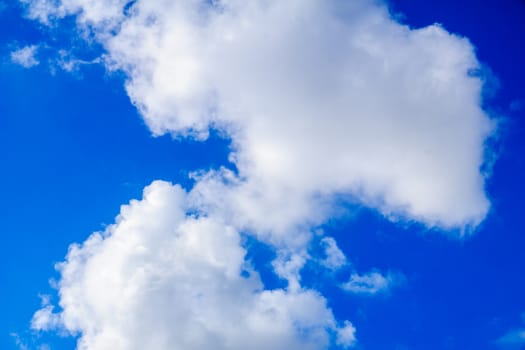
(73,149)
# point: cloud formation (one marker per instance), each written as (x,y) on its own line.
(323,101)
(319,97)
(372,283)
(25,56)
(161,278)
(334,257)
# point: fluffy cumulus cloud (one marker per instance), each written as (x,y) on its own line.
(160,278)
(322,100)
(319,97)
(25,56)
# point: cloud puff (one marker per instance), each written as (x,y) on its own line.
(346,335)
(372,283)
(25,56)
(334,257)
(160,278)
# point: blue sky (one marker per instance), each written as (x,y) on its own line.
(75,149)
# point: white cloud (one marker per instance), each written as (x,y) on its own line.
(372,283)
(346,335)
(274,213)
(70,63)
(288,266)
(335,258)
(45,318)
(320,97)
(25,56)
(101,13)
(161,278)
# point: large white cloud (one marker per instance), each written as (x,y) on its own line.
(319,97)
(161,278)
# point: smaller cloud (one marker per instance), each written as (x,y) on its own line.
(69,63)
(45,319)
(42,10)
(346,335)
(372,283)
(25,56)
(288,266)
(334,257)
